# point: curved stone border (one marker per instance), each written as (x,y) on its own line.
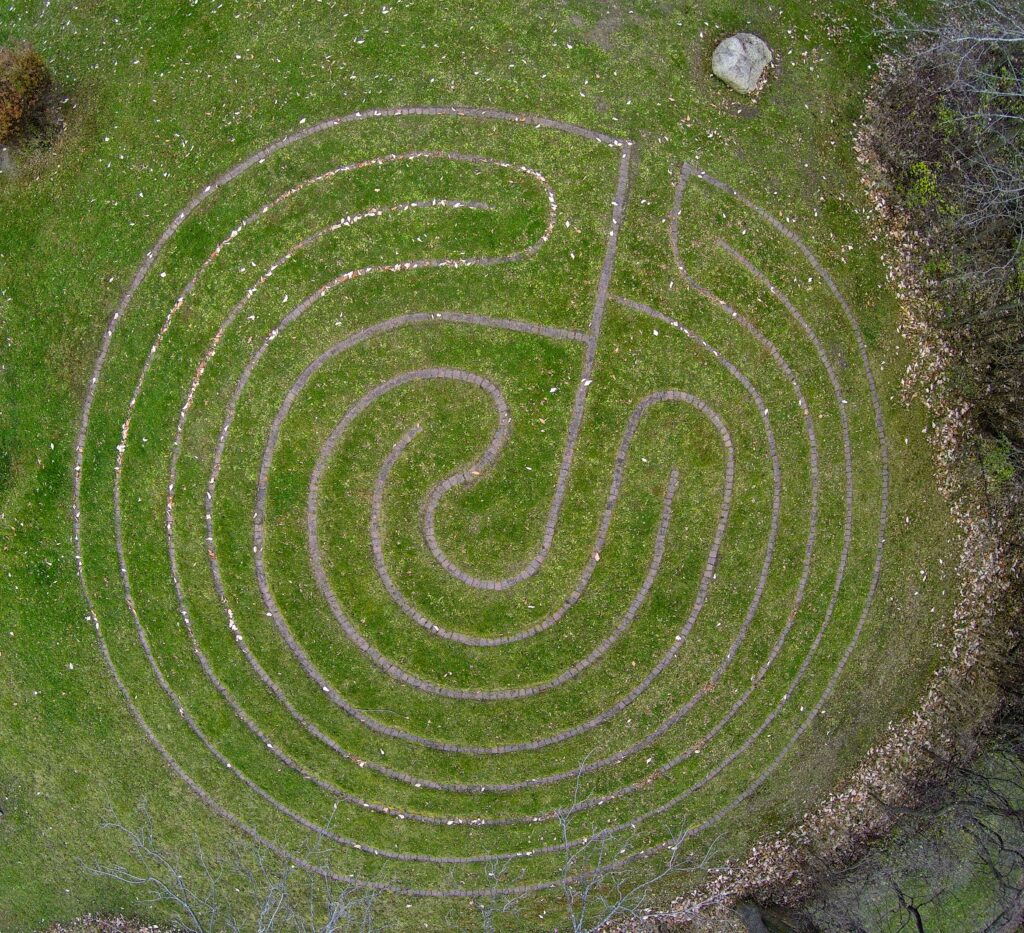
(590,341)
(476,470)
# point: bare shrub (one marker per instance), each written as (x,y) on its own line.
(25,83)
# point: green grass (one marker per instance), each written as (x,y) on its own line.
(166,97)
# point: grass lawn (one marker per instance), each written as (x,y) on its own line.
(392,481)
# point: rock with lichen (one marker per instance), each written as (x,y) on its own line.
(740,61)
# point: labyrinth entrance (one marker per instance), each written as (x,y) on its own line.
(428,549)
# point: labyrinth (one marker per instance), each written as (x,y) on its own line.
(429,551)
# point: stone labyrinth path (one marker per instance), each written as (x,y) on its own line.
(425,553)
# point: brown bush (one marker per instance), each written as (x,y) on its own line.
(24,84)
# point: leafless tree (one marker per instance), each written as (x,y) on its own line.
(247,888)
(948,130)
(243,888)
(966,825)
(967,71)
(599,892)
(499,903)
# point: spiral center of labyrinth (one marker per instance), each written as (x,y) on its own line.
(412,537)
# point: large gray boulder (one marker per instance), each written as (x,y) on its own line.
(740,61)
